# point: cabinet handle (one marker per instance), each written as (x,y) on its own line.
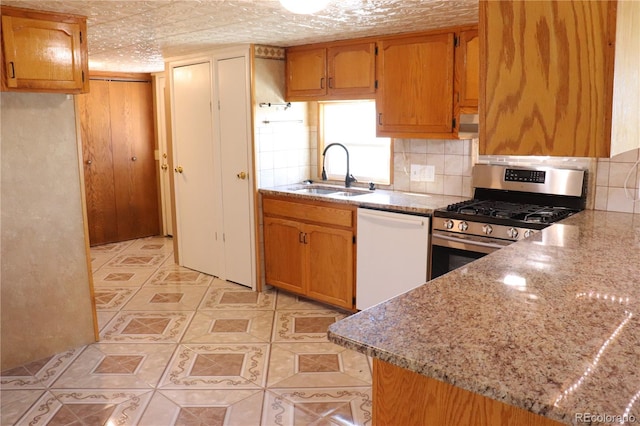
(304,238)
(164,167)
(380,119)
(13,70)
(300,238)
(330,82)
(322,83)
(178,169)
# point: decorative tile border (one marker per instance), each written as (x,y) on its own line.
(124,366)
(285,329)
(242,407)
(40,374)
(252,373)
(203,327)
(126,405)
(231,299)
(116,330)
(269,52)
(287,407)
(291,365)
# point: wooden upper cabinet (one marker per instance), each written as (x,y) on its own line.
(306,73)
(352,70)
(467,70)
(340,71)
(548,78)
(43,52)
(415,86)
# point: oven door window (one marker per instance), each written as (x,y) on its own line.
(446,259)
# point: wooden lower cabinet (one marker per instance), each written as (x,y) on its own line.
(284,254)
(403,397)
(307,253)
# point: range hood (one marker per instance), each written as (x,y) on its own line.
(468,127)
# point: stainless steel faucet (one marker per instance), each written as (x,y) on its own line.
(349,177)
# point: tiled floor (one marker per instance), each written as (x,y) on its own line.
(182,348)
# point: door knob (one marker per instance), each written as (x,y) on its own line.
(179,169)
(164,167)
(242,175)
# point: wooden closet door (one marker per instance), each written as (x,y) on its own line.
(95,127)
(132,136)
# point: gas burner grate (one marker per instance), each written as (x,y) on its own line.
(506,210)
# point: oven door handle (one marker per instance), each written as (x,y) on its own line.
(467,242)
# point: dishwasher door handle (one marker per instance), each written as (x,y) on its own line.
(418,222)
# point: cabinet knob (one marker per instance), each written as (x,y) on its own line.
(89,162)
(134,158)
(164,167)
(242,175)
(179,169)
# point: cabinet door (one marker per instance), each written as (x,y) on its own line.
(415,93)
(467,69)
(330,272)
(285,261)
(95,128)
(351,70)
(42,55)
(135,180)
(548,77)
(306,73)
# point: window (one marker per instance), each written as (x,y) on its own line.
(353,124)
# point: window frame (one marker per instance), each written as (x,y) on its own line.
(321,145)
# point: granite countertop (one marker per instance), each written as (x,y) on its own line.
(409,202)
(550,324)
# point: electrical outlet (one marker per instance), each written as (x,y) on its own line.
(430,173)
(423,173)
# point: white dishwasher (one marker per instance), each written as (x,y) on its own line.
(392,255)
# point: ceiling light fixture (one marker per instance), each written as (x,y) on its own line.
(304,7)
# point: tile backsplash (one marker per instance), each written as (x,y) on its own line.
(618,183)
(451,160)
(287,145)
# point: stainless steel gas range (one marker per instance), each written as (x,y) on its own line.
(510,203)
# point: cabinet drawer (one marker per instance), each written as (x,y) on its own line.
(309,212)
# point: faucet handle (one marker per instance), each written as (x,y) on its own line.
(352,178)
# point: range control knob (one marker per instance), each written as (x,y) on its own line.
(528,233)
(487,229)
(463,226)
(512,233)
(448,224)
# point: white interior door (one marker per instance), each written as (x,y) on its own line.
(236,172)
(194,172)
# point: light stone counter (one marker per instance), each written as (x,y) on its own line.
(550,324)
(409,202)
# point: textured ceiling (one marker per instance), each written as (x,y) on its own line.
(136,36)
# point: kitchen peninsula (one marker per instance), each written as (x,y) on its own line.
(545,330)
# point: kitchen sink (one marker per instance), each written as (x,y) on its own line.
(322,191)
(331,191)
(348,193)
